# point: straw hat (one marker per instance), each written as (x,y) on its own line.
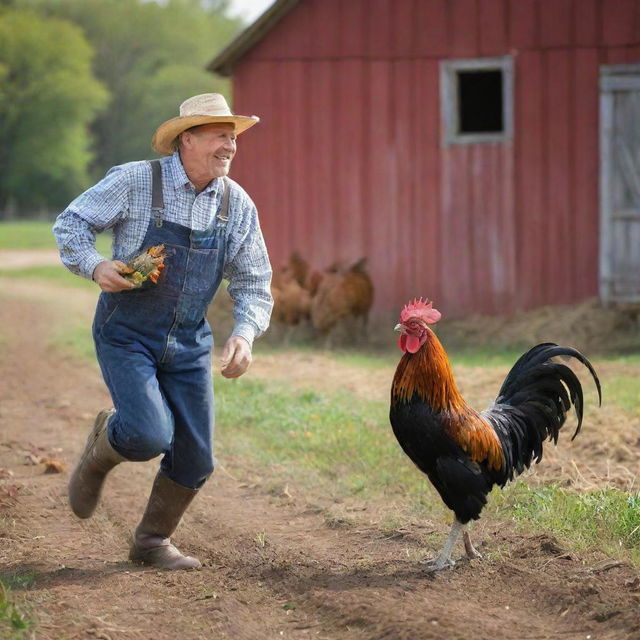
(205,108)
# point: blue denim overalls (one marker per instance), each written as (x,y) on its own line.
(154,348)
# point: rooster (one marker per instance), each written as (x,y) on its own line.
(465,452)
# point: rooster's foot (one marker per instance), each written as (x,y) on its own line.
(437,564)
(472,552)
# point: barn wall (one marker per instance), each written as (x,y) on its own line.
(348,159)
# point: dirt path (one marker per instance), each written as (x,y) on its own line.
(274,566)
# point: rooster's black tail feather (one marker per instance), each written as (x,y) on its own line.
(533,402)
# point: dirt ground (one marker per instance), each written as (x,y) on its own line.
(274,565)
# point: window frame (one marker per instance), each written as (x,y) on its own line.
(449,70)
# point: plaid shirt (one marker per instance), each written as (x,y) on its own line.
(121,201)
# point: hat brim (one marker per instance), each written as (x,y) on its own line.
(168,131)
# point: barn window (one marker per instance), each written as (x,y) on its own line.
(477,100)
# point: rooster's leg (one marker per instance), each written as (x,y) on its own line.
(472,552)
(444,559)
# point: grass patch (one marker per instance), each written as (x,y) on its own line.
(607,519)
(389,357)
(623,391)
(37,234)
(368,361)
(22,580)
(74,334)
(15,624)
(78,341)
(630,359)
(484,357)
(27,235)
(55,274)
(348,449)
(315,438)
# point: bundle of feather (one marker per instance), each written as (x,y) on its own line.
(145,266)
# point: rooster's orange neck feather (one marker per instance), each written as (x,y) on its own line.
(427,374)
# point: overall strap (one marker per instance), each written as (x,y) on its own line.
(223,214)
(157,200)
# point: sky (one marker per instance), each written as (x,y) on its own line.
(249,9)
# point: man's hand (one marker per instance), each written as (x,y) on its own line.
(236,357)
(107,276)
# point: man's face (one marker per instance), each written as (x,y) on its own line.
(210,148)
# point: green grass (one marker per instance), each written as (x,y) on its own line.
(314,438)
(624,392)
(465,357)
(484,357)
(26,235)
(385,357)
(55,274)
(606,519)
(632,359)
(15,623)
(38,235)
(77,339)
(366,360)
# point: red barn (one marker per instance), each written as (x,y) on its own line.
(484,153)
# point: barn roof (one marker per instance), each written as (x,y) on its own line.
(224,62)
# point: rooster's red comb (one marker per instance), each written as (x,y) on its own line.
(419,308)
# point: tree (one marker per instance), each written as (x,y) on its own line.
(151,56)
(48,96)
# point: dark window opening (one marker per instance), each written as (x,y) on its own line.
(480,101)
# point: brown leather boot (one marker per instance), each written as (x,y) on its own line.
(98,458)
(151,544)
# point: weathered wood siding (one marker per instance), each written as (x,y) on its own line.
(349,161)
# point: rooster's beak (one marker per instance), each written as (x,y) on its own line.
(398,327)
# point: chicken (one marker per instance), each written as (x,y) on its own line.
(342,294)
(465,452)
(291,301)
(306,277)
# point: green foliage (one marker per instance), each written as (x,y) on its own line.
(151,57)
(47,98)
(83,85)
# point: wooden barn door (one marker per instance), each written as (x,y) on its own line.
(620,183)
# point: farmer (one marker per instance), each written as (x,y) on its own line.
(153,342)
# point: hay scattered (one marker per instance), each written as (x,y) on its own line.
(587,326)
